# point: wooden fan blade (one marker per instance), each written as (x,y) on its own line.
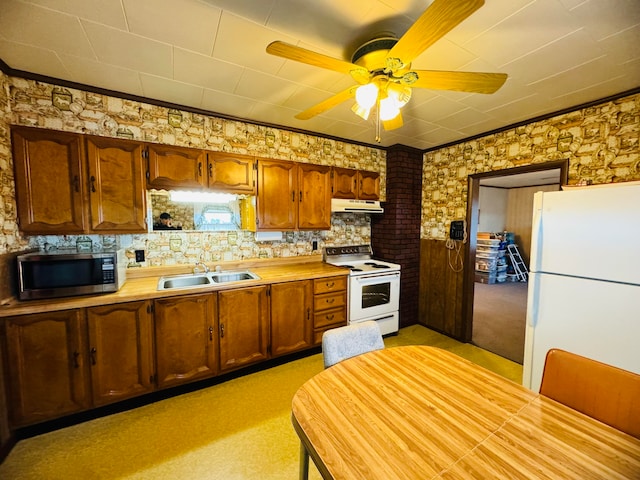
(302,55)
(328,103)
(475,82)
(433,24)
(393,123)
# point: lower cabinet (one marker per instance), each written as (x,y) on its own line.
(291,317)
(185,339)
(120,351)
(64,362)
(47,361)
(243,330)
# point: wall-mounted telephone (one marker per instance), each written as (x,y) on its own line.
(458,230)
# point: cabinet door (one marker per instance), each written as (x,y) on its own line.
(345,183)
(369,186)
(231,173)
(120,351)
(185,340)
(176,167)
(49,173)
(277,195)
(243,326)
(291,317)
(314,187)
(116,185)
(47,366)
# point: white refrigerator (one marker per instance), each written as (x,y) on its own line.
(584,283)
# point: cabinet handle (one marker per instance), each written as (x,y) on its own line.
(93,183)
(308,313)
(199,169)
(76,364)
(222,330)
(93,355)
(329,317)
(293,196)
(211,170)
(331,300)
(210,333)
(301,195)
(360,185)
(330,285)
(76,183)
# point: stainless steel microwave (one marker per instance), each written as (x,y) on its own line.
(64,274)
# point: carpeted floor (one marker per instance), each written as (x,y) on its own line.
(499,316)
(237,430)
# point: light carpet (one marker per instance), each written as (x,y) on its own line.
(237,430)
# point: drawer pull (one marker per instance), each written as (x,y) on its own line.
(330,285)
(329,317)
(93,355)
(331,300)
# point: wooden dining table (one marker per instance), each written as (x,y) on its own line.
(418,412)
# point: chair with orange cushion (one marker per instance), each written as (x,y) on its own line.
(606,393)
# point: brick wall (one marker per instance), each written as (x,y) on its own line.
(395,236)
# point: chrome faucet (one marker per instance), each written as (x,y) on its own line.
(200,266)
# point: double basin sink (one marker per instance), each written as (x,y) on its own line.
(172,282)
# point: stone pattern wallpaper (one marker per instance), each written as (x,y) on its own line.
(601,142)
(31,103)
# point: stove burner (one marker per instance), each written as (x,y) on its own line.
(348,266)
(354,269)
(376,265)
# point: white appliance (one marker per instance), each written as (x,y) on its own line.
(584,285)
(342,205)
(374,286)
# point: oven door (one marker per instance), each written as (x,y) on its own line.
(374,295)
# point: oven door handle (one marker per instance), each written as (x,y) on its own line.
(365,278)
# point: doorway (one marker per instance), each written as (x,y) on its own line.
(494,313)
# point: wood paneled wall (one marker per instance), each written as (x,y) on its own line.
(440,302)
(520,215)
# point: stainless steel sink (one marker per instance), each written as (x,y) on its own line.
(183,281)
(222,277)
(172,282)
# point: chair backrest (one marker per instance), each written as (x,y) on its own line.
(606,393)
(345,342)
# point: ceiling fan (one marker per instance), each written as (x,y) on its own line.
(382,67)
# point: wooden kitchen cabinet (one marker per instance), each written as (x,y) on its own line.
(120,351)
(50,181)
(355,184)
(186,346)
(176,167)
(232,173)
(293,196)
(47,364)
(243,316)
(291,317)
(116,185)
(329,305)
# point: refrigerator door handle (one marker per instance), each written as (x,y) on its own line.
(533,299)
(537,233)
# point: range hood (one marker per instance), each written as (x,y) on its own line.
(364,206)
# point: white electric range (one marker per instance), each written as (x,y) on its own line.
(374,286)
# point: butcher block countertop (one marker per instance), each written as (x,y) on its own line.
(141,283)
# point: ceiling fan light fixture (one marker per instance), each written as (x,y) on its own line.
(366,95)
(361,111)
(389,109)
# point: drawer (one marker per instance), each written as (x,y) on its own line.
(330,317)
(332,284)
(317,333)
(329,300)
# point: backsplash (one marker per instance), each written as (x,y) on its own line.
(32,103)
(174,247)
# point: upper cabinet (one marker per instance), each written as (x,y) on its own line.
(50,181)
(356,184)
(116,185)
(187,168)
(67,186)
(293,196)
(176,167)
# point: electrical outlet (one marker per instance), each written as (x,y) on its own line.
(314,245)
(139,256)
